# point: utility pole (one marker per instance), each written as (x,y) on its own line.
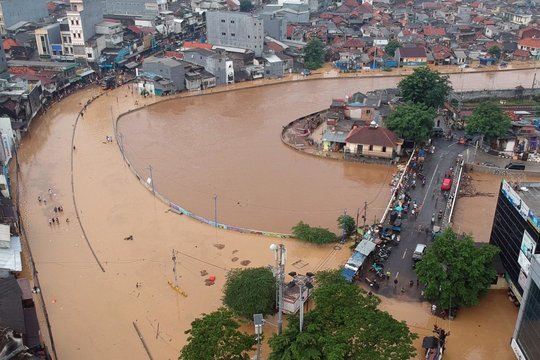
(364,217)
(174,267)
(357,215)
(215,210)
(152,180)
(281,255)
(343,233)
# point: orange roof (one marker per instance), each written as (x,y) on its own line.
(530,42)
(9,42)
(196,45)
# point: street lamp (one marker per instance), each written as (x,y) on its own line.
(302,281)
(258,320)
(280,256)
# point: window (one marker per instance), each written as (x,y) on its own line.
(223,34)
(233,34)
(72,22)
(384,149)
(368,111)
(249,36)
(89,55)
(370,147)
(232,21)
(223,20)
(76,22)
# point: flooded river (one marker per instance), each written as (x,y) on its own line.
(229,145)
(93,310)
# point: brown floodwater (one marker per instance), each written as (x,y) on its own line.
(228,145)
(92,312)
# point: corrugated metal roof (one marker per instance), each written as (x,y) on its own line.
(11,310)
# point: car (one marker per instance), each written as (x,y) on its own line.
(446,184)
(489,164)
(419,252)
(437,132)
(515,166)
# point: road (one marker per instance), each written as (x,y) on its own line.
(431,200)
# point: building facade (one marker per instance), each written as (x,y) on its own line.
(167,68)
(516,231)
(14,11)
(216,64)
(235,29)
(48,40)
(82,19)
(525,342)
(135,8)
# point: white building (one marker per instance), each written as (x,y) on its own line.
(83,17)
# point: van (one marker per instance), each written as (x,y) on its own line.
(515,166)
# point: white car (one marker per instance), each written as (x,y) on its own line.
(419,252)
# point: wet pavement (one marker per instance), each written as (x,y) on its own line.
(93,312)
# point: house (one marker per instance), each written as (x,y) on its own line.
(166,68)
(442,55)
(373,141)
(411,56)
(10,252)
(361,107)
(531,45)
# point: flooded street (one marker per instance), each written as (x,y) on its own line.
(479,333)
(93,311)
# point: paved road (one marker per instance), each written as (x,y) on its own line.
(400,261)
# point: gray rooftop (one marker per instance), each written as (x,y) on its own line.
(530,194)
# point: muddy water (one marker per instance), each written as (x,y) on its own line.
(479,333)
(474,214)
(92,312)
(228,145)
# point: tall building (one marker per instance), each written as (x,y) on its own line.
(525,342)
(136,8)
(235,29)
(82,19)
(14,11)
(516,231)
(48,40)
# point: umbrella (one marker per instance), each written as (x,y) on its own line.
(398,208)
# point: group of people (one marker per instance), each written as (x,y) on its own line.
(57,209)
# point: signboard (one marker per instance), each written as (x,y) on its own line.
(514,198)
(533,219)
(526,251)
(522,279)
(7,147)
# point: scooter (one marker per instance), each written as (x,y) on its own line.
(440,215)
(424,182)
(433,219)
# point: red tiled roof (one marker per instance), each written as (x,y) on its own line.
(530,42)
(21,70)
(290,30)
(350,3)
(491,44)
(521,53)
(274,47)
(196,45)
(9,43)
(434,31)
(367,135)
(173,54)
(354,43)
(140,29)
(417,52)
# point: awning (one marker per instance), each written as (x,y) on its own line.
(86,73)
(365,247)
(348,274)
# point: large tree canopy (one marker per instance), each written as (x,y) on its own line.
(488,119)
(425,86)
(316,235)
(412,121)
(314,54)
(391,47)
(250,291)
(455,271)
(345,324)
(215,336)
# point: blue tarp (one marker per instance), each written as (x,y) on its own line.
(356,260)
(421,153)
(348,274)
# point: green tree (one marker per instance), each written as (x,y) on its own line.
(314,235)
(391,47)
(494,51)
(314,54)
(215,336)
(425,86)
(488,119)
(455,271)
(345,324)
(246,5)
(250,291)
(347,223)
(412,122)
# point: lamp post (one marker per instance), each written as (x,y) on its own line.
(258,320)
(302,281)
(280,255)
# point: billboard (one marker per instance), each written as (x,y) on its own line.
(526,252)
